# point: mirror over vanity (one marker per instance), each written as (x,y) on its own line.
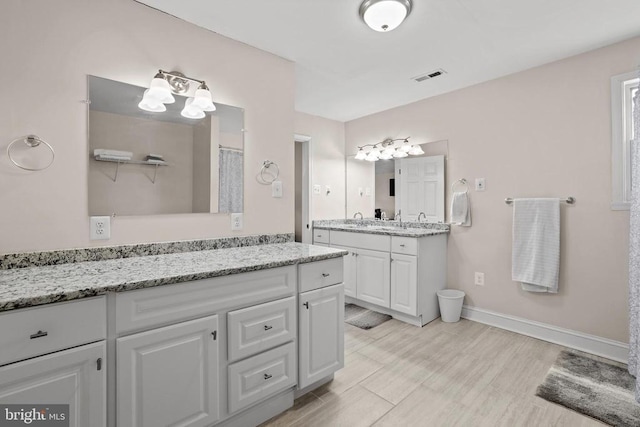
(420,187)
(148,163)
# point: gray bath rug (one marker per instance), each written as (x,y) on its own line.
(598,389)
(363,318)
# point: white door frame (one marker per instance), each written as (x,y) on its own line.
(307,232)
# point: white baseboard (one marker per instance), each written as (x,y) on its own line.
(599,346)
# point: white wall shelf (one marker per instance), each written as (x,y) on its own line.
(132,162)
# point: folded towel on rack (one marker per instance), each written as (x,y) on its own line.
(535,258)
(111,157)
(460,209)
(117,153)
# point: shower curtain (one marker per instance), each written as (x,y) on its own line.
(230,193)
(634,251)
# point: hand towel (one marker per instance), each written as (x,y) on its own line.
(460,209)
(535,258)
(118,153)
(111,157)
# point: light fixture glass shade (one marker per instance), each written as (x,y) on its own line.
(386,156)
(389,150)
(190,111)
(360,155)
(384,15)
(151,104)
(202,100)
(400,154)
(416,150)
(405,146)
(160,90)
(372,157)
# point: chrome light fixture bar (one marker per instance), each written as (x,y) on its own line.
(388,149)
(165,84)
(384,15)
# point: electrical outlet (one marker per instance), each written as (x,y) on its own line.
(236,221)
(317,189)
(100,228)
(276,189)
(479,279)
(480,184)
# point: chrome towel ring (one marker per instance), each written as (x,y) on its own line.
(32,141)
(266,165)
(461,181)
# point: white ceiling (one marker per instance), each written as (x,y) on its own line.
(344,70)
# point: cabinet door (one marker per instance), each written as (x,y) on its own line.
(349,272)
(321,351)
(404,283)
(169,376)
(74,377)
(373,276)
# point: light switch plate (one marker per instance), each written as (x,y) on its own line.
(480,184)
(236,221)
(317,189)
(100,228)
(367,191)
(276,189)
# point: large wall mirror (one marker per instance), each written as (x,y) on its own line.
(147,163)
(375,185)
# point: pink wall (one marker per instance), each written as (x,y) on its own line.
(544,132)
(49,47)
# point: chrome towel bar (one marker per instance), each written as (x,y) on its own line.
(570,200)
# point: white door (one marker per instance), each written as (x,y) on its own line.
(169,376)
(421,182)
(404,283)
(75,377)
(373,276)
(321,317)
(349,271)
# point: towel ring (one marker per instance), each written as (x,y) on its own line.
(266,165)
(461,181)
(32,141)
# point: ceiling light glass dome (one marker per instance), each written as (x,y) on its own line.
(384,15)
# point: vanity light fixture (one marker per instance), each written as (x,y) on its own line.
(384,15)
(388,149)
(165,83)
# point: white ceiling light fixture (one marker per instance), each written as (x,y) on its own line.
(388,149)
(384,15)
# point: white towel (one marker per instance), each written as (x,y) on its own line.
(111,157)
(460,209)
(117,153)
(536,244)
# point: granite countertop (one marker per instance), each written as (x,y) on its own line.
(31,286)
(388,228)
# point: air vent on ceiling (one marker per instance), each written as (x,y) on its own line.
(429,75)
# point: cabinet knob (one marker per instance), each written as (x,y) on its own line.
(326,274)
(306,304)
(402,246)
(214,334)
(267,327)
(267,376)
(38,334)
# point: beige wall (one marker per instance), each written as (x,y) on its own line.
(383,200)
(126,41)
(544,132)
(327,163)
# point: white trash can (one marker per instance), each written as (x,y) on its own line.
(450,301)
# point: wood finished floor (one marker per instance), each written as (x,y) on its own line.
(444,374)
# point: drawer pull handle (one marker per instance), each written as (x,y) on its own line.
(267,327)
(402,246)
(267,376)
(38,334)
(214,334)
(326,274)
(99,364)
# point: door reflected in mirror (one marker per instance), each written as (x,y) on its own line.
(150,163)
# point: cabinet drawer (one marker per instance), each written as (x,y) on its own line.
(44,329)
(320,236)
(138,310)
(258,328)
(320,274)
(375,242)
(260,376)
(404,245)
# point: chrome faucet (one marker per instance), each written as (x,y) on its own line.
(422,214)
(383,215)
(398,216)
(358,213)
